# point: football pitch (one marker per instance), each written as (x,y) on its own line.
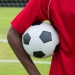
(9,64)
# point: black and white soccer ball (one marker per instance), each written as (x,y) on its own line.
(40,40)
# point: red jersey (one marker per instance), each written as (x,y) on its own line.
(61,14)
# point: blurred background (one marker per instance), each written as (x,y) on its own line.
(9,64)
(13,3)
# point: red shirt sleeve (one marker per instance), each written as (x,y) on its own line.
(26,17)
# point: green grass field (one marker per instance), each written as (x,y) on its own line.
(13,68)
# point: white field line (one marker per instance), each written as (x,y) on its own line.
(17,61)
(3,40)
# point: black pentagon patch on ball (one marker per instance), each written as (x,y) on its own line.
(37,23)
(26,39)
(38,54)
(46,36)
(56,48)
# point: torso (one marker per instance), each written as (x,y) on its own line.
(62,16)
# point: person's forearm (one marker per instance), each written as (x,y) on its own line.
(15,42)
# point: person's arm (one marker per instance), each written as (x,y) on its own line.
(14,40)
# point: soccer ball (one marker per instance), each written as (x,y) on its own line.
(40,40)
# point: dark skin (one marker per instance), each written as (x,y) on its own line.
(15,42)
